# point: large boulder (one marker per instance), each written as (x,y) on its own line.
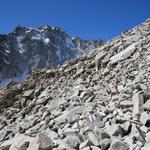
(44,141)
(138,102)
(23,142)
(73,141)
(118,145)
(98,59)
(123,54)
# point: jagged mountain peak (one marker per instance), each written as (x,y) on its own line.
(19,30)
(26,49)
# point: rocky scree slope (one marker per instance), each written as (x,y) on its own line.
(100,101)
(26,49)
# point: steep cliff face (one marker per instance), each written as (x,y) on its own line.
(100,101)
(26,49)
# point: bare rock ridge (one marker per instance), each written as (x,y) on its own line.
(27,49)
(100,101)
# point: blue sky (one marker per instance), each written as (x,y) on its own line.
(89,19)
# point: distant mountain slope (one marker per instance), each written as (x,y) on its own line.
(28,48)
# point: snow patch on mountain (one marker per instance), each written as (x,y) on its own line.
(46,40)
(7,62)
(28,31)
(7,51)
(58,53)
(36,37)
(69,43)
(20,38)
(20,48)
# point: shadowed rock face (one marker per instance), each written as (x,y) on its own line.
(99,101)
(26,49)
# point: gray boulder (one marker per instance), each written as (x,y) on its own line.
(118,145)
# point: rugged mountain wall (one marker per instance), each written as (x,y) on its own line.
(100,101)
(26,49)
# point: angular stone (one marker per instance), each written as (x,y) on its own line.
(120,88)
(93,139)
(80,71)
(145,118)
(127,115)
(85,144)
(106,71)
(96,123)
(73,141)
(100,134)
(86,148)
(29,93)
(110,108)
(6,145)
(75,113)
(118,145)
(115,130)
(147,138)
(53,135)
(138,101)
(105,144)
(145,88)
(46,113)
(148,60)
(98,59)
(3,134)
(144,129)
(138,134)
(62,118)
(43,101)
(64,146)
(129,140)
(69,131)
(126,104)
(24,145)
(44,141)
(21,142)
(146,106)
(95,148)
(113,89)
(126,127)
(123,54)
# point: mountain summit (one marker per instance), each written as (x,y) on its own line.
(26,49)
